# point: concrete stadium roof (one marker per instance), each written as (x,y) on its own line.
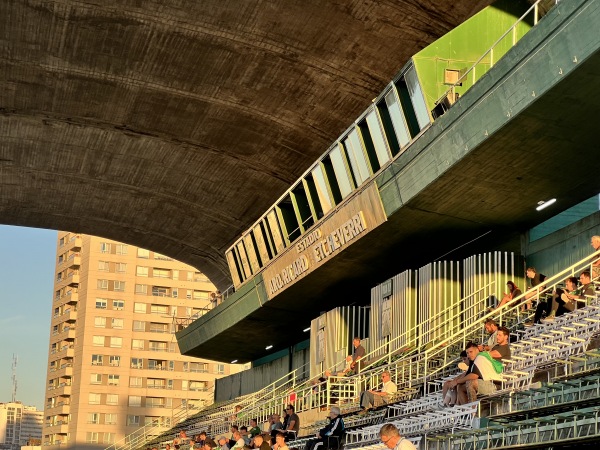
(173,125)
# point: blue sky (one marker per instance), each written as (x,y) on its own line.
(26,282)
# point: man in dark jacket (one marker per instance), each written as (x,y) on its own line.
(335,427)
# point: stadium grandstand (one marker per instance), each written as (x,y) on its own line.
(375,240)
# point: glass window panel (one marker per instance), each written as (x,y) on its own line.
(251,253)
(321,186)
(275,231)
(244,259)
(341,172)
(416,96)
(261,244)
(377,137)
(397,118)
(356,156)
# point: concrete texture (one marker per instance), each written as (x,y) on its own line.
(173,124)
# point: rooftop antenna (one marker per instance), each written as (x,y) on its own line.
(14,378)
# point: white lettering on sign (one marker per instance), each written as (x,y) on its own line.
(339,237)
(288,274)
(308,240)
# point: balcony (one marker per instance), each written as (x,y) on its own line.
(58,409)
(74,261)
(66,370)
(75,243)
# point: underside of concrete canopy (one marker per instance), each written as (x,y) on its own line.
(172,125)
(526,132)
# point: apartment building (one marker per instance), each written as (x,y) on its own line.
(19,424)
(113,362)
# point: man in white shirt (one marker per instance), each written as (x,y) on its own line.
(390,436)
(373,398)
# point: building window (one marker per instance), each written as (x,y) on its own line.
(119,286)
(104,247)
(141,289)
(118,305)
(102,284)
(200,295)
(184,385)
(101,303)
(141,271)
(113,380)
(139,308)
(142,253)
(190,276)
(137,363)
(117,323)
(133,420)
(109,438)
(138,325)
(103,265)
(93,418)
(220,368)
(159,309)
(100,322)
(97,360)
(110,419)
(114,361)
(137,344)
(159,327)
(121,267)
(161,273)
(96,378)
(116,342)
(135,400)
(199,367)
(175,274)
(91,437)
(98,341)
(112,399)
(135,381)
(160,291)
(94,399)
(198,385)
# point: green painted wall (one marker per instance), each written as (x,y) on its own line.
(463,46)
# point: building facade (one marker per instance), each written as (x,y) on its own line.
(114,364)
(19,425)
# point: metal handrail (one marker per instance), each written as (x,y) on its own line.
(490,51)
(412,335)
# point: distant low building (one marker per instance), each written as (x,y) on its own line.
(19,425)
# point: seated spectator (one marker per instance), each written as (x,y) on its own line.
(239,441)
(353,360)
(275,427)
(209,444)
(280,442)
(596,265)
(201,438)
(501,350)
(335,427)
(261,442)
(448,392)
(234,429)
(254,430)
(223,443)
(536,280)
(182,439)
(479,378)
(572,298)
(244,433)
(390,436)
(491,327)
(513,292)
(291,423)
(373,398)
